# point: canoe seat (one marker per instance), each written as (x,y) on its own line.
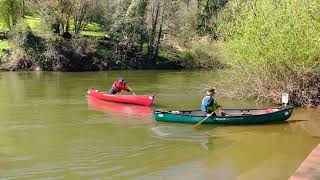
(197,113)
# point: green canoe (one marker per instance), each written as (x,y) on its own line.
(234,116)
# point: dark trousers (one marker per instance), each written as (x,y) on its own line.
(111,91)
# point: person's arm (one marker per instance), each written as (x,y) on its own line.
(123,87)
(217,104)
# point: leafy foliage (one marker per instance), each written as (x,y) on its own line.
(275,46)
(206,11)
(9,12)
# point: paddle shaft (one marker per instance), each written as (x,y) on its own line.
(131,90)
(199,123)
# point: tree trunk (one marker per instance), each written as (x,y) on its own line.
(141,41)
(61,24)
(61,28)
(151,47)
(79,20)
(10,22)
(22,7)
(68,25)
(158,42)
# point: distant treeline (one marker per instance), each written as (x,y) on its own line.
(127,34)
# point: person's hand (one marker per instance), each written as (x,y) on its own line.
(209,115)
(224,114)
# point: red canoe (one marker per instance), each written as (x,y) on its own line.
(119,109)
(129,99)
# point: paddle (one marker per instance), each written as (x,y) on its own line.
(199,123)
(131,90)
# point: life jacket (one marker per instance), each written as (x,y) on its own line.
(118,86)
(212,106)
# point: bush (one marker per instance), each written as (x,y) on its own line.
(18,61)
(274,46)
(76,54)
(49,55)
(20,35)
(203,53)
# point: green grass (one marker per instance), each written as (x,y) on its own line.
(93,27)
(3,28)
(95,34)
(4,44)
(33,22)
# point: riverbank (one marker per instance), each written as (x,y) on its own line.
(88,53)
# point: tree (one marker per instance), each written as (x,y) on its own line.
(22,9)
(163,21)
(128,27)
(136,19)
(206,9)
(59,13)
(9,12)
(153,43)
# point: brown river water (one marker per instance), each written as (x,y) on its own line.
(50,130)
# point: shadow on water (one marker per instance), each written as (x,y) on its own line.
(295,121)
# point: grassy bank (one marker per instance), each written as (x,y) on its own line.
(91,29)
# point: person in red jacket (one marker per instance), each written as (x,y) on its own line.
(118,86)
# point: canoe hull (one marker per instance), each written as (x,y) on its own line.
(129,99)
(119,109)
(280,115)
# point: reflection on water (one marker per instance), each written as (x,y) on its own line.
(185,133)
(49,129)
(120,113)
(310,121)
(239,152)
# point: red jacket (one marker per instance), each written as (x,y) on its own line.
(119,85)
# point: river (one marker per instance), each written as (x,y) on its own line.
(49,129)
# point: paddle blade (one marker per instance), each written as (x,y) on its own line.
(197,126)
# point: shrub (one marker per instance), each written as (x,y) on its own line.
(203,53)
(274,46)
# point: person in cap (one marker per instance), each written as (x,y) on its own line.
(209,105)
(118,86)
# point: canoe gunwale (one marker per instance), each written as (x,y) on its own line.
(281,109)
(281,115)
(145,100)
